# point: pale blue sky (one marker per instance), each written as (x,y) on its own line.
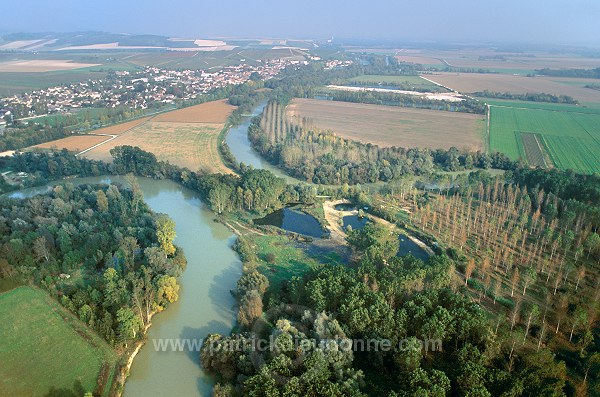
(547,21)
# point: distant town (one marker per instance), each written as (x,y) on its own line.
(140,90)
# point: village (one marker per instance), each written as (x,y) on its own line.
(152,86)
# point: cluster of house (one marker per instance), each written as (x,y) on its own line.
(336,64)
(138,90)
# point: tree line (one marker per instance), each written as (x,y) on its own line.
(579,73)
(531,97)
(397,99)
(321,157)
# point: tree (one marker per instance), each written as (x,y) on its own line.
(168,290)
(101,201)
(592,244)
(165,233)
(529,276)
(136,192)
(251,308)
(532,316)
(40,248)
(579,320)
(580,275)
(130,324)
(469,270)
(514,280)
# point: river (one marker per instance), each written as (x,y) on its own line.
(205,303)
(241,148)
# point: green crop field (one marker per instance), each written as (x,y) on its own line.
(44,349)
(589,107)
(571,139)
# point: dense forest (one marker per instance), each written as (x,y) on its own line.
(322,157)
(308,337)
(98,250)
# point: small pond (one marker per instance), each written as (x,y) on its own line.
(407,246)
(293,220)
(345,207)
(355,221)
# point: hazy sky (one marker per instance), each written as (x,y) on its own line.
(547,21)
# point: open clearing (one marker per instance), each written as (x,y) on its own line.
(75,143)
(571,139)
(477,82)
(185,137)
(43,346)
(392,126)
(47,65)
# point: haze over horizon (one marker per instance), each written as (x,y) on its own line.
(542,22)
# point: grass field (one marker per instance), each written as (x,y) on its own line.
(393,126)
(280,259)
(44,347)
(75,143)
(416,83)
(572,140)
(477,82)
(186,137)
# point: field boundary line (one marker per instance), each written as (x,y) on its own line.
(113,137)
(488,138)
(98,144)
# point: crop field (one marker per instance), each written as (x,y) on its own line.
(191,145)
(477,82)
(44,348)
(42,65)
(592,108)
(209,112)
(185,137)
(572,140)
(118,129)
(533,147)
(12,83)
(75,143)
(416,82)
(496,60)
(392,126)
(78,143)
